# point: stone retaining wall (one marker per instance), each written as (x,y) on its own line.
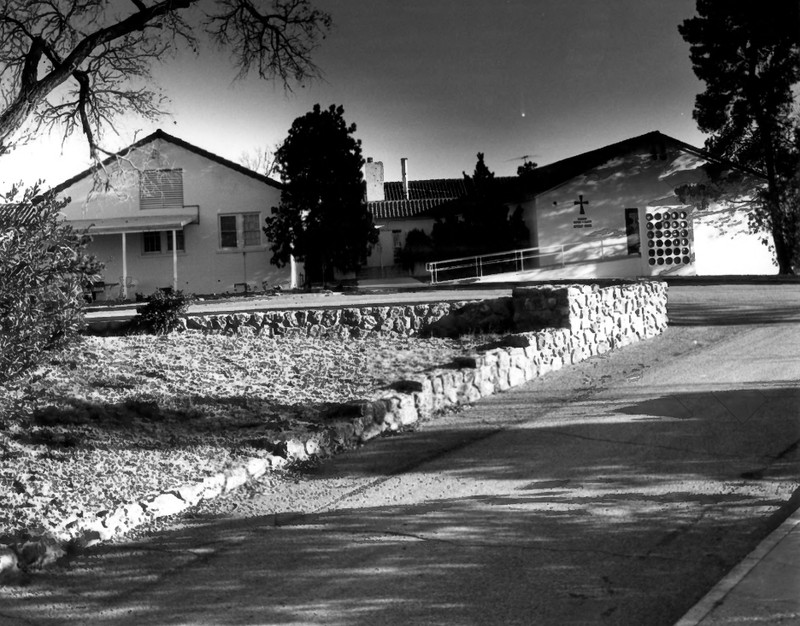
(356,322)
(576,307)
(595,321)
(545,329)
(590,321)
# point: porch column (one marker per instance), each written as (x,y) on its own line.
(174,260)
(124,290)
(292,272)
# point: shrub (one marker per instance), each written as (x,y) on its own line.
(162,313)
(43,270)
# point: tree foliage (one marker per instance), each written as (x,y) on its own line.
(748,56)
(322,218)
(418,248)
(43,271)
(80,64)
(527,168)
(484,225)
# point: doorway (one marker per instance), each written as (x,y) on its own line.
(632,232)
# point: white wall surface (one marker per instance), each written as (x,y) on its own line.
(637,180)
(215,189)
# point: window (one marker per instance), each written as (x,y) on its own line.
(178,240)
(632,231)
(397,245)
(242,230)
(161,189)
(251,229)
(151,242)
(227,231)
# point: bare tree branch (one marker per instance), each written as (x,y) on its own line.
(80,64)
(276,44)
(261,160)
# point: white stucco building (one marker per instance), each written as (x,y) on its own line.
(610,212)
(174,215)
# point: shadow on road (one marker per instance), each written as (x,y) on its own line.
(719,314)
(624,515)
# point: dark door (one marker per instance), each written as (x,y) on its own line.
(632,231)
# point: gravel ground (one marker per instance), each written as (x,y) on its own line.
(114,419)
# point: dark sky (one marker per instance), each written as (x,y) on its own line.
(439,80)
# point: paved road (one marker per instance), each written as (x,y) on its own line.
(618,491)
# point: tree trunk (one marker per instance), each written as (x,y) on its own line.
(783,251)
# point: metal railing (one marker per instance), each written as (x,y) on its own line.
(524,259)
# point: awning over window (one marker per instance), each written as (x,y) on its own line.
(139,224)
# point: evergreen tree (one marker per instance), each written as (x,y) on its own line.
(748,55)
(484,225)
(487,220)
(322,218)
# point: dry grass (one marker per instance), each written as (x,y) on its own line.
(114,419)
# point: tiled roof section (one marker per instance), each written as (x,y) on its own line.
(398,209)
(432,198)
(433,189)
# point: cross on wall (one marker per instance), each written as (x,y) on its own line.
(580,202)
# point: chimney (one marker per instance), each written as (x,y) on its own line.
(404,170)
(373,176)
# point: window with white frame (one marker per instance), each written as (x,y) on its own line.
(151,242)
(154,242)
(251,229)
(179,241)
(161,189)
(239,230)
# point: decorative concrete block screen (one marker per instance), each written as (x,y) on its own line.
(670,240)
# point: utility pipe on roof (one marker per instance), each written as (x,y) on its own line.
(404,171)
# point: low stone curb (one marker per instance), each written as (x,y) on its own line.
(595,321)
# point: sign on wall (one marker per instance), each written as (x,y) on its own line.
(582,221)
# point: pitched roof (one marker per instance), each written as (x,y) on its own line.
(160,134)
(546,177)
(437,197)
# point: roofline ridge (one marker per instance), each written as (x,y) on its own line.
(161,134)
